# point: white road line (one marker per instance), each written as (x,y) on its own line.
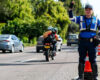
(27,60)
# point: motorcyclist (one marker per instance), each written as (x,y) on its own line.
(51,37)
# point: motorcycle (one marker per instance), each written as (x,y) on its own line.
(48,51)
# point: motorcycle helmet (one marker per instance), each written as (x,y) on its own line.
(56,30)
(53,30)
(50,28)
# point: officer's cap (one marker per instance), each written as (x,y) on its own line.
(88,6)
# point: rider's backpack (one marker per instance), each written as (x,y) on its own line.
(50,39)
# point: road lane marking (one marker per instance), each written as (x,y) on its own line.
(27,60)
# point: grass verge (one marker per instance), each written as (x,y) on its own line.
(28,45)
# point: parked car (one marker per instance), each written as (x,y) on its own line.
(39,45)
(72,39)
(59,44)
(9,42)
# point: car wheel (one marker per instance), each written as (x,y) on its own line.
(12,49)
(37,50)
(3,51)
(56,48)
(68,44)
(22,48)
(60,48)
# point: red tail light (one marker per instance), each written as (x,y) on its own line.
(6,40)
(47,43)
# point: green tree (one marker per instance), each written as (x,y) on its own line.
(30,18)
(72,28)
(19,17)
(49,13)
(78,8)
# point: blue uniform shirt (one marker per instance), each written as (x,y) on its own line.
(82,21)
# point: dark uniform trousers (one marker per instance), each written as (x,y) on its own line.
(85,46)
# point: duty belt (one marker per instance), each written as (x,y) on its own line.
(87,39)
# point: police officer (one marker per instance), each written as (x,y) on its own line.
(88,25)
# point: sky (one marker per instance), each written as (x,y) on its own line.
(95,4)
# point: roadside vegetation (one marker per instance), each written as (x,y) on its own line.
(28,19)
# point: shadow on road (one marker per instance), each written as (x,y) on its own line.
(11,64)
(36,62)
(34,52)
(7,53)
(69,48)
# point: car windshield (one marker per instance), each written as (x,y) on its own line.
(4,37)
(73,37)
(40,39)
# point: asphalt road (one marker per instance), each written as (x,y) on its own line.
(30,65)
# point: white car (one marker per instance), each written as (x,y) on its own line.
(59,44)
